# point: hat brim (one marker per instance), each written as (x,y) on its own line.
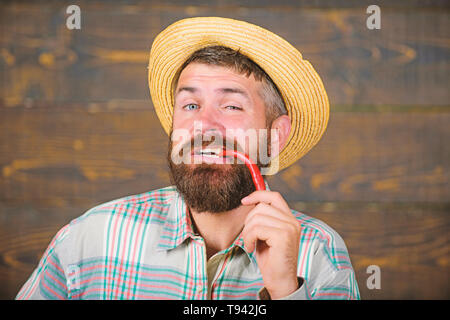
(299,84)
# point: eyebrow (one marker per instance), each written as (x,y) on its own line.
(225,90)
(188,89)
(234,90)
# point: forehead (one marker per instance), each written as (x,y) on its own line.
(212,74)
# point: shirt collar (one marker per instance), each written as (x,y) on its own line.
(178,227)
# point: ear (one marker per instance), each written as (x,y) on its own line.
(282,125)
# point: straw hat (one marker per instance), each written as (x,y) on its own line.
(300,86)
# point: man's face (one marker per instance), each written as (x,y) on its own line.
(220,100)
(214,101)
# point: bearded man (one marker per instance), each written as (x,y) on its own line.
(216,84)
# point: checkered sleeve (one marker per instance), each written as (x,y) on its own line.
(48,281)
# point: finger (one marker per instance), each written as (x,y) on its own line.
(269,221)
(269,197)
(269,210)
(259,232)
(289,230)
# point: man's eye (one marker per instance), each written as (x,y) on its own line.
(233,108)
(190,106)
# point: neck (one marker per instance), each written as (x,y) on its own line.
(219,230)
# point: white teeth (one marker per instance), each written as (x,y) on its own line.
(209,152)
(210,155)
(214,151)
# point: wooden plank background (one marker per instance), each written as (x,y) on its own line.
(77,127)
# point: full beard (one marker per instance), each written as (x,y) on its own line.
(211,188)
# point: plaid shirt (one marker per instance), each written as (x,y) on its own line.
(143,247)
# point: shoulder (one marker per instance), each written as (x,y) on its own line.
(86,234)
(147,205)
(318,227)
(324,239)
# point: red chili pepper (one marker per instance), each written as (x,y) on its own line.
(254,170)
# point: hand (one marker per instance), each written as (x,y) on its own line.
(274,232)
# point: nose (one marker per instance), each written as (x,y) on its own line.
(208,121)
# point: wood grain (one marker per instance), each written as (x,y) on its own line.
(406,62)
(54,154)
(77,127)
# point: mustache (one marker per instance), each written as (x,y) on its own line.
(257,145)
(206,140)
